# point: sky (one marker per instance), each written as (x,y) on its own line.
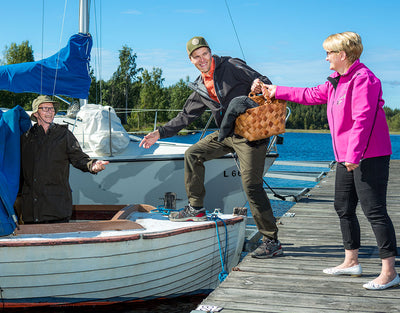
(280,39)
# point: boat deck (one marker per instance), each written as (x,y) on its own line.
(311,241)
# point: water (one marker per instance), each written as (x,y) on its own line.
(301,146)
(296,147)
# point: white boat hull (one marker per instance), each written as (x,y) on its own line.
(165,259)
(147,180)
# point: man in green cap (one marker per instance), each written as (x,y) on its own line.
(47,149)
(223,82)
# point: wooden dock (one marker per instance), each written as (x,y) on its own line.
(312,241)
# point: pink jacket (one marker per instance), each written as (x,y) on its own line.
(356,118)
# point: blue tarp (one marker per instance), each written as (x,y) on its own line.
(65,73)
(13,123)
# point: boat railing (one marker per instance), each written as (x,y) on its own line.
(275,140)
(272,146)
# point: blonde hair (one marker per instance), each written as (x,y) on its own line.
(348,42)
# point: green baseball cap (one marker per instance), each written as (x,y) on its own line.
(38,101)
(196,43)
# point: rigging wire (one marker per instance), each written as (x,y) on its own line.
(41,63)
(234,28)
(244,58)
(98,61)
(59,46)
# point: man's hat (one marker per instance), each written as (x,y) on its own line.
(38,101)
(196,43)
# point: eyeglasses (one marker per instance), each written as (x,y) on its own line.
(47,109)
(328,53)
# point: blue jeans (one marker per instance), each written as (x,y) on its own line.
(367,184)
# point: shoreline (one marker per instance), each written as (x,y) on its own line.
(288,130)
(324,131)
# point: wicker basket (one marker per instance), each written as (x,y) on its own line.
(264,121)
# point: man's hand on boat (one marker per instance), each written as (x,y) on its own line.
(150,139)
(99,165)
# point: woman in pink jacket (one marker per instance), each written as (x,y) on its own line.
(362,148)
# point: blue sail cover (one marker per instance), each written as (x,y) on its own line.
(13,123)
(65,73)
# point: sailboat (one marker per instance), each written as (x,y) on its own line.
(138,175)
(109,252)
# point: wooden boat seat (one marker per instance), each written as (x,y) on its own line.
(117,222)
(77,227)
(126,211)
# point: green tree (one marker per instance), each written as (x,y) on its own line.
(123,84)
(153,95)
(18,53)
(307,116)
(177,95)
(393,118)
(13,55)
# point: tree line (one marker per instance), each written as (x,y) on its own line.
(138,95)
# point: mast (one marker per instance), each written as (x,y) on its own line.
(84,27)
(84,16)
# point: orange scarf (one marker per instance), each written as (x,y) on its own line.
(208,79)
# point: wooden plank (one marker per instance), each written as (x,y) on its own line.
(311,240)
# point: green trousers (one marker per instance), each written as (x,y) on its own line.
(251,160)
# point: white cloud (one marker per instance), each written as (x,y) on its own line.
(132,12)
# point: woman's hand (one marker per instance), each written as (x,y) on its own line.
(350,166)
(268,90)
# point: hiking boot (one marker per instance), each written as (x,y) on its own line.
(188,214)
(268,249)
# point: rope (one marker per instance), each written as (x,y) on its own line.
(214,216)
(161,209)
(223,274)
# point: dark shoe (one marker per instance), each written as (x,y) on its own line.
(188,214)
(268,249)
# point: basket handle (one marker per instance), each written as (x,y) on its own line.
(259,99)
